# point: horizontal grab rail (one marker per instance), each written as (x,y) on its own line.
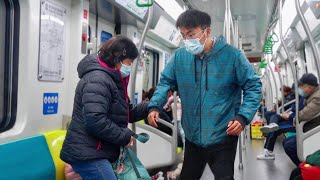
(169,125)
(301,136)
(301,124)
(288,110)
(311,132)
(288,103)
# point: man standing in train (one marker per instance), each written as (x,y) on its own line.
(211,77)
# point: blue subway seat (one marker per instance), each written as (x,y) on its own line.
(27,159)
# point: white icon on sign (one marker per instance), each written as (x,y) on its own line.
(49,100)
(56,99)
(52,99)
(45,99)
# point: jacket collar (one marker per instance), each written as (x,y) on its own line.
(313,92)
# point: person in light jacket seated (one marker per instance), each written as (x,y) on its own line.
(309,89)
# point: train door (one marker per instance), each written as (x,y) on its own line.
(9,35)
(151,69)
(101,24)
(2,46)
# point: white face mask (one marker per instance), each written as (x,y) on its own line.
(125,70)
(194,46)
(301,93)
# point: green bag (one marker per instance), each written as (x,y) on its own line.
(128,166)
(314,159)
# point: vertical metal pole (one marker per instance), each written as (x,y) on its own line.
(240,42)
(271,91)
(240,152)
(232,30)
(135,66)
(236,33)
(292,67)
(97,19)
(175,125)
(225,27)
(304,23)
(281,85)
(227,22)
(241,134)
(276,87)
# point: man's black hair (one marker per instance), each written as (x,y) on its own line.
(193,18)
(117,49)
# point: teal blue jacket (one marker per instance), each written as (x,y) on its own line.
(210,90)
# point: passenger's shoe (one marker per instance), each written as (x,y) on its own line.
(266,156)
(269,128)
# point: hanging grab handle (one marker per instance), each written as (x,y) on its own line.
(145,3)
(272,39)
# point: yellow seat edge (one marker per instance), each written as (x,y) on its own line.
(54,141)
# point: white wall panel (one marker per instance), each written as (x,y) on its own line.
(30,120)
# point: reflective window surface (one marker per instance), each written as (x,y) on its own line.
(2,57)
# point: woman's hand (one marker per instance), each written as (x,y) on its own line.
(130,144)
(284,116)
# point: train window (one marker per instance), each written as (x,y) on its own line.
(2,45)
(9,51)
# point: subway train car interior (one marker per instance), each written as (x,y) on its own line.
(159,89)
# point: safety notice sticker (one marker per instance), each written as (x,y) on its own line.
(50,103)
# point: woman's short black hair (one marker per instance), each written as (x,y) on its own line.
(193,18)
(117,49)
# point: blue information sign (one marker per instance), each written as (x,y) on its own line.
(105,36)
(50,103)
(136,98)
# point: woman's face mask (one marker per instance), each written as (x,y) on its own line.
(194,46)
(125,70)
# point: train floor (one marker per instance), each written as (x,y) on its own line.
(253,169)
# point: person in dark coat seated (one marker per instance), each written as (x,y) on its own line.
(102,111)
(288,94)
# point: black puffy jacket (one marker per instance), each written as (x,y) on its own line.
(101,114)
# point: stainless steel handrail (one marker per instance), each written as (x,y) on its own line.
(305,25)
(163,135)
(271,91)
(169,125)
(236,44)
(276,86)
(228,27)
(175,125)
(288,103)
(135,66)
(301,136)
(288,110)
(172,139)
(292,67)
(281,85)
